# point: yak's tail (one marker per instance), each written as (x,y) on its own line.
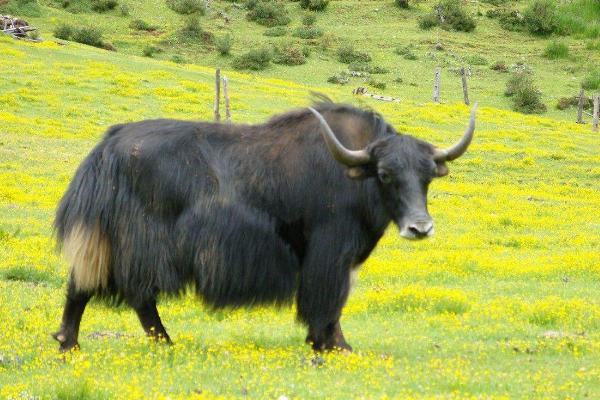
(81,222)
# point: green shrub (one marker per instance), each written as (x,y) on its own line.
(366,67)
(540,17)
(178,59)
(141,25)
(124,10)
(476,59)
(556,50)
(573,101)
(402,3)
(314,5)
(449,15)
(406,52)
(526,97)
(256,60)
(339,79)
(269,13)
(104,5)
(191,28)
(308,32)
(64,31)
(376,84)
(499,66)
(223,44)
(276,31)
(347,55)
(511,20)
(150,51)
(88,35)
(289,54)
(309,20)
(591,80)
(187,7)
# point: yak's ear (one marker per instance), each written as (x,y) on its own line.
(360,172)
(441,169)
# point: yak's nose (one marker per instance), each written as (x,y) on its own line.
(421,229)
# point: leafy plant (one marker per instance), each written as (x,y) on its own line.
(540,17)
(556,50)
(223,44)
(347,55)
(449,15)
(308,32)
(276,31)
(314,5)
(526,97)
(256,60)
(289,54)
(269,13)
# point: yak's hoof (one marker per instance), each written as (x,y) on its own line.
(66,343)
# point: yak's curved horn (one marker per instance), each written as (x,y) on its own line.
(459,148)
(350,158)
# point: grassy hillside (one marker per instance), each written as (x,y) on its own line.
(501,303)
(378,28)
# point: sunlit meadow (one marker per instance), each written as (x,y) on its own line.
(502,303)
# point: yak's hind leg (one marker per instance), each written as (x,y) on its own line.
(69,327)
(148,315)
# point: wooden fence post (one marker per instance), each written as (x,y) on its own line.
(463,74)
(226,96)
(436,85)
(596,110)
(217,94)
(580,107)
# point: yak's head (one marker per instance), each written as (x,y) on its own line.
(404,167)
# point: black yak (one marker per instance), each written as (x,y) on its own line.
(244,214)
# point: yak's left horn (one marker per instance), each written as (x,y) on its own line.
(350,158)
(459,148)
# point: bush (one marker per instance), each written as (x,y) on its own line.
(150,51)
(376,84)
(540,17)
(141,25)
(499,66)
(309,20)
(406,52)
(178,59)
(124,10)
(308,32)
(255,60)
(566,102)
(476,59)
(314,5)
(88,35)
(402,3)
(104,5)
(275,31)
(289,55)
(223,44)
(366,67)
(526,97)
(347,55)
(269,13)
(187,7)
(339,79)
(449,15)
(511,21)
(556,50)
(592,80)
(64,31)
(191,28)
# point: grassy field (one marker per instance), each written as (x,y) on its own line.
(502,303)
(377,27)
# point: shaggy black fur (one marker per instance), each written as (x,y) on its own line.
(247,214)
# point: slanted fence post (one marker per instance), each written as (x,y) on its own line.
(226,96)
(580,107)
(436,85)
(596,110)
(463,74)
(217,94)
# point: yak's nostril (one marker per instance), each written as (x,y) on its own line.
(420,229)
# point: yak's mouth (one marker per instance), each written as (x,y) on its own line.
(417,230)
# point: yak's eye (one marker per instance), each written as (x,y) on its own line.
(384,176)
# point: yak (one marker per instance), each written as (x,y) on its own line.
(242,214)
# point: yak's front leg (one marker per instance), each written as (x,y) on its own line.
(324,288)
(150,320)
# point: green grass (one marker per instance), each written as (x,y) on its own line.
(464,314)
(556,50)
(377,28)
